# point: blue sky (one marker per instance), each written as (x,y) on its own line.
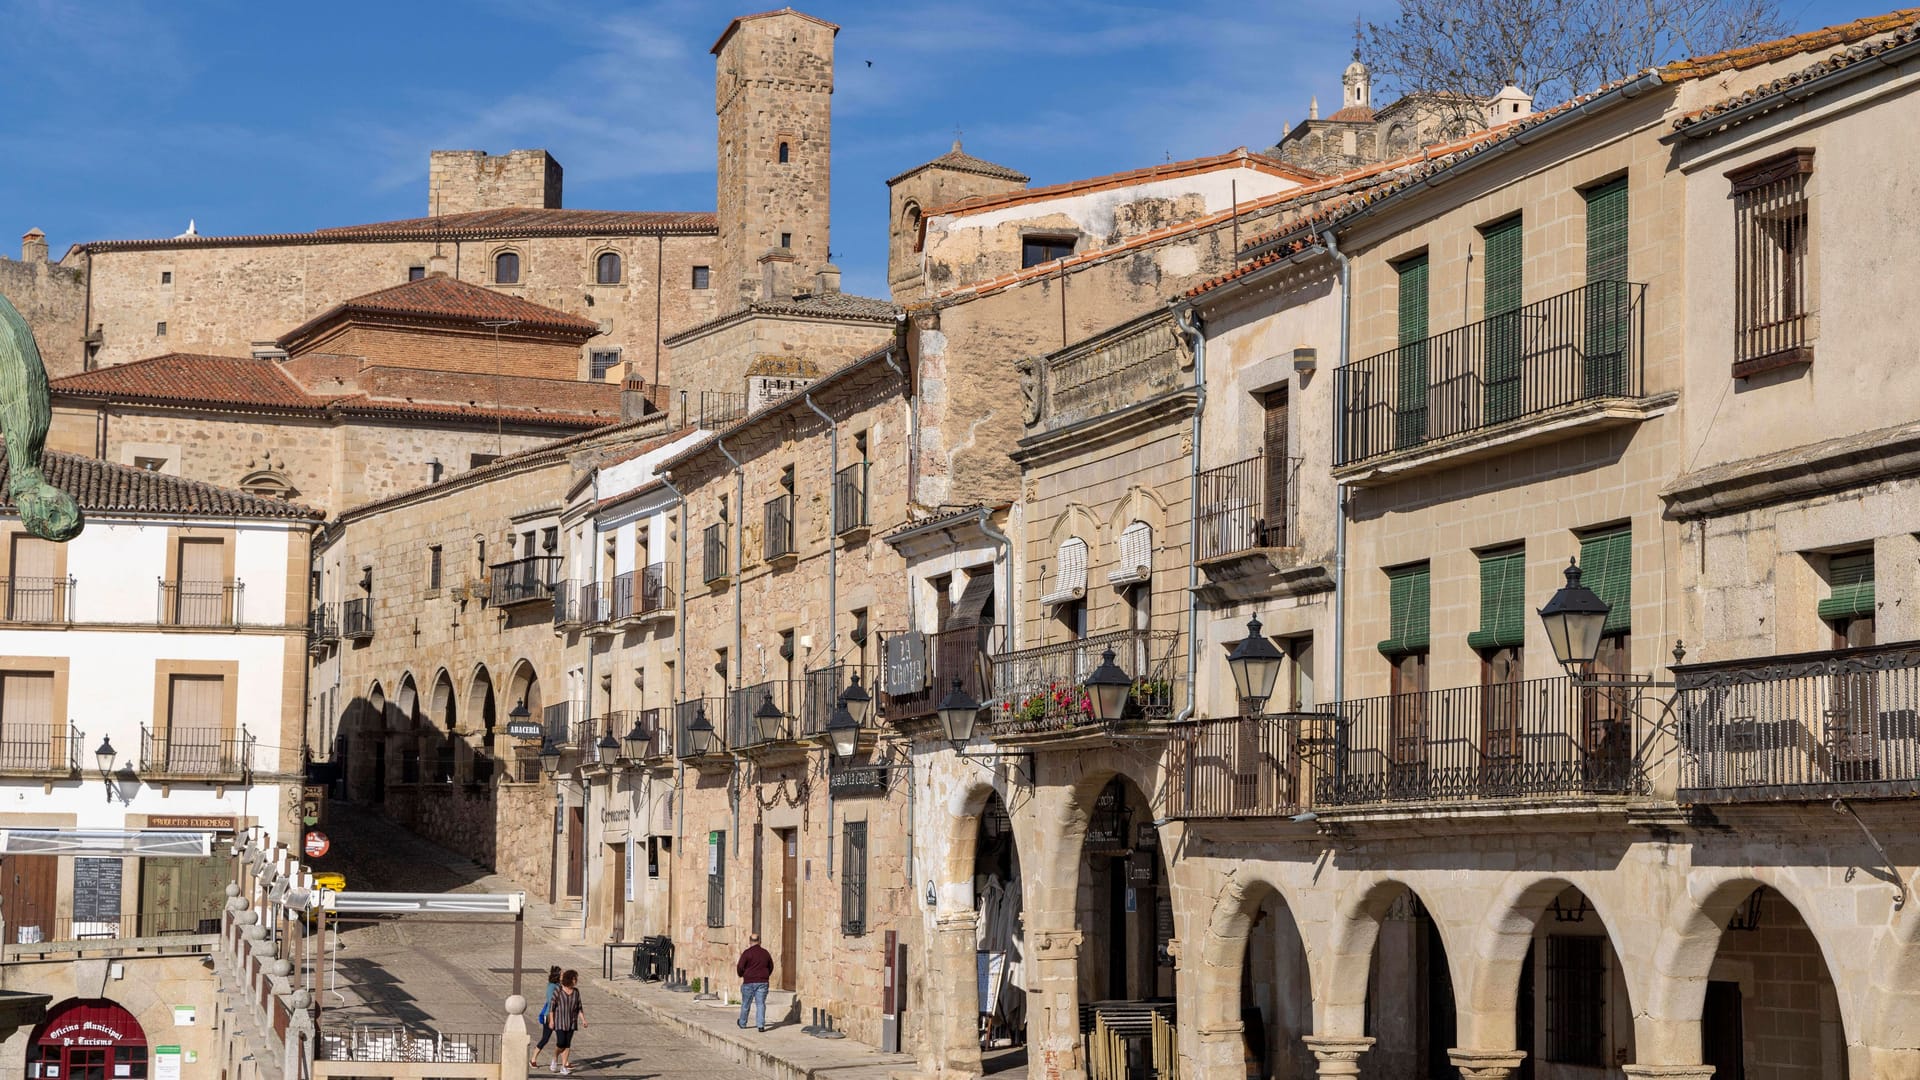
(127,119)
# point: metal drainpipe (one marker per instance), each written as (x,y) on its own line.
(913,438)
(739,552)
(680,669)
(1189,325)
(1006,545)
(833,510)
(1339,489)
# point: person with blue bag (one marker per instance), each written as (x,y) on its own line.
(546,1009)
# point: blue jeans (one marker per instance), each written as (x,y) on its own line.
(752,994)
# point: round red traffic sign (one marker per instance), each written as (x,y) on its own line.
(316,844)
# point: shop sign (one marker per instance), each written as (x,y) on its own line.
(859,780)
(189,821)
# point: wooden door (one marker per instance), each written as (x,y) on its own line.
(182,896)
(191,741)
(34,593)
(1500,704)
(1407,719)
(28,735)
(199,599)
(617,875)
(576,849)
(789,908)
(30,883)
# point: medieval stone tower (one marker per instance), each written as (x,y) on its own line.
(773,93)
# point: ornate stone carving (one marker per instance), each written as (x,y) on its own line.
(1338,1055)
(1031,390)
(1486,1064)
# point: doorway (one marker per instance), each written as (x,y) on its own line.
(87,1039)
(576,849)
(617,889)
(27,903)
(789,908)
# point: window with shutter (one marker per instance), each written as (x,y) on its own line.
(1503,584)
(1409,589)
(1505,326)
(36,592)
(853,880)
(1410,400)
(717,878)
(1136,555)
(26,720)
(1851,578)
(1070,573)
(1606,567)
(1607,299)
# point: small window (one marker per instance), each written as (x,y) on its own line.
(853,880)
(601,361)
(416,273)
(159,329)
(1035,250)
(701,276)
(166,277)
(786,239)
(474,461)
(1576,1000)
(151,464)
(435,470)
(550,539)
(653,856)
(859,632)
(606,268)
(1849,607)
(506,268)
(434,565)
(1771,295)
(717,878)
(784,153)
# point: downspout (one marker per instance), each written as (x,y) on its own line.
(833,549)
(739,552)
(913,437)
(1189,325)
(1006,545)
(680,670)
(1340,489)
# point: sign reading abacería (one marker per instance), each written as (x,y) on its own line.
(525,729)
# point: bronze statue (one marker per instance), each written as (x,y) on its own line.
(25,413)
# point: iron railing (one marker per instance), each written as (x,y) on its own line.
(850,499)
(1582,345)
(713,545)
(1233,768)
(779,527)
(200,603)
(647,592)
(715,710)
(933,661)
(383,1044)
(743,730)
(823,689)
(1246,506)
(323,622)
(596,604)
(117,926)
(194,751)
(620,722)
(1531,739)
(37,599)
(566,603)
(356,618)
(1039,690)
(1812,726)
(523,580)
(40,749)
(718,408)
(556,723)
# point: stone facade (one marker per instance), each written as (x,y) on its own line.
(52,297)
(1358,135)
(459,181)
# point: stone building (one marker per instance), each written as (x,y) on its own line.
(52,297)
(1357,134)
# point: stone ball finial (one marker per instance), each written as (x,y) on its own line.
(235,904)
(283,967)
(516,1005)
(256,932)
(248,918)
(300,1000)
(956,146)
(233,889)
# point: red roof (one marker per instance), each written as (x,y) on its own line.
(187,378)
(444,298)
(1354,114)
(1239,158)
(472,225)
(1747,56)
(110,490)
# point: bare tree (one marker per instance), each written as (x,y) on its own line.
(1553,49)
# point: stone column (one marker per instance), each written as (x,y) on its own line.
(1486,1064)
(513,1040)
(1338,1055)
(1053,1005)
(1668,1072)
(954,1036)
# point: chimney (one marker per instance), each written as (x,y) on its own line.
(633,399)
(829,277)
(776,274)
(1511,103)
(437,265)
(33,247)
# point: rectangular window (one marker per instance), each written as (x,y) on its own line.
(653,856)
(416,273)
(1409,589)
(1035,250)
(194,735)
(166,277)
(701,277)
(1849,605)
(201,594)
(717,878)
(1410,375)
(1606,567)
(159,329)
(1278,470)
(36,591)
(853,880)
(1608,300)
(1770,263)
(1503,296)
(150,464)
(601,361)
(434,566)
(474,461)
(1503,608)
(1576,1000)
(786,239)
(27,732)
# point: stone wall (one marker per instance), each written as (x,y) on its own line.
(717,358)
(457,351)
(52,297)
(462,180)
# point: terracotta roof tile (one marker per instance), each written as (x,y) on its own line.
(960,161)
(187,378)
(101,487)
(1747,56)
(444,298)
(1352,114)
(361,405)
(1840,61)
(471,225)
(1258,262)
(827,306)
(1241,158)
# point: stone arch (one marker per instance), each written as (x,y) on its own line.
(406,705)
(607,266)
(375,716)
(443,709)
(1491,969)
(1895,993)
(1073,520)
(268,484)
(1139,504)
(524,684)
(1225,959)
(1340,997)
(954,1042)
(505,266)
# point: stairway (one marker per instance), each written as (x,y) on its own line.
(564,915)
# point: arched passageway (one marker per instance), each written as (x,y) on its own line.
(1001,956)
(1770,1011)
(1125,905)
(1276,1002)
(1410,1005)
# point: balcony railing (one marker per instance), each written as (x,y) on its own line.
(38,930)
(323,623)
(200,603)
(1234,768)
(823,689)
(715,710)
(398,1045)
(556,722)
(743,730)
(713,545)
(1582,345)
(1110,371)
(566,603)
(1541,738)
(523,580)
(37,599)
(40,749)
(1039,690)
(920,668)
(718,408)
(1246,506)
(596,603)
(194,751)
(652,724)
(646,592)
(1811,726)
(779,527)
(356,619)
(850,499)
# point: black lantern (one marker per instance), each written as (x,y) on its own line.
(857,702)
(1255,664)
(1574,618)
(958,711)
(699,733)
(1109,688)
(608,746)
(843,732)
(104,756)
(549,756)
(768,719)
(636,742)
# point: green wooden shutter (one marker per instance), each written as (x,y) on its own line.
(1606,567)
(1409,597)
(1504,328)
(1410,380)
(1607,298)
(1851,576)
(1503,608)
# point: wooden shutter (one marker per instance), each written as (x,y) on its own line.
(1851,576)
(201,584)
(34,594)
(201,561)
(1607,232)
(1606,567)
(1409,589)
(195,701)
(1503,581)
(1504,328)
(1136,554)
(1070,573)
(1410,380)
(853,880)
(27,734)
(1278,467)
(1607,298)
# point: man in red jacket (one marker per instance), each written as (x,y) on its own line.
(755,970)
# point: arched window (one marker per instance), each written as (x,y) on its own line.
(606,268)
(267,484)
(784,153)
(506,268)
(1069,573)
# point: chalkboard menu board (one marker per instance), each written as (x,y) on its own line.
(96,890)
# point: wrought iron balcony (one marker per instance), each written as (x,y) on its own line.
(523,581)
(850,499)
(1580,346)
(1235,768)
(719,408)
(323,623)
(37,599)
(356,618)
(779,528)
(620,722)
(195,752)
(646,593)
(200,603)
(1039,690)
(823,689)
(1809,726)
(715,711)
(920,668)
(713,552)
(596,604)
(40,749)
(1542,738)
(1246,506)
(743,728)
(566,604)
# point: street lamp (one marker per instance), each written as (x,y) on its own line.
(958,712)
(122,785)
(549,756)
(1255,664)
(767,719)
(636,742)
(1109,686)
(699,732)
(1574,618)
(843,732)
(857,702)
(608,746)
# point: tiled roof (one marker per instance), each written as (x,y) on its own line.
(472,225)
(1747,56)
(380,408)
(1352,114)
(937,519)
(187,378)
(105,488)
(1256,263)
(735,24)
(869,364)
(960,161)
(1238,158)
(444,298)
(1902,35)
(823,306)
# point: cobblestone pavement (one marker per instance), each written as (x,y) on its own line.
(454,978)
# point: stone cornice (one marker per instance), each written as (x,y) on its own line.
(1078,438)
(1804,472)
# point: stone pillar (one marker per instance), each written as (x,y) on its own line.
(1221,1050)
(1668,1072)
(1486,1064)
(1338,1055)
(953,1039)
(1053,1005)
(513,1040)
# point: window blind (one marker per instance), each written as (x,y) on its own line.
(1851,576)
(1503,586)
(1409,589)
(1606,567)
(1070,573)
